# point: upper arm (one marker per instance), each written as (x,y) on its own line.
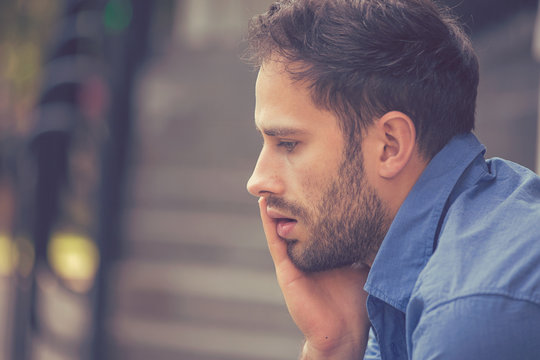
(478,327)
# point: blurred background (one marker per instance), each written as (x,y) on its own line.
(126,140)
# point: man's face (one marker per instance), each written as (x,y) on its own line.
(320,200)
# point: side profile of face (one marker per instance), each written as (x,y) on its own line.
(321,202)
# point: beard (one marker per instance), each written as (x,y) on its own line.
(345,227)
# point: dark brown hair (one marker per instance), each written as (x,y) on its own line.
(363,58)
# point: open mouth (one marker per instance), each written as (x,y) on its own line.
(284,226)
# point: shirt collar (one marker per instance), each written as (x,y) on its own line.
(409,242)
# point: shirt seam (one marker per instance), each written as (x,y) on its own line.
(517,296)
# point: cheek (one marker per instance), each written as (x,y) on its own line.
(315,172)
(316,183)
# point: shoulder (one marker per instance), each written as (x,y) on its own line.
(502,193)
(478,296)
(489,236)
(480,326)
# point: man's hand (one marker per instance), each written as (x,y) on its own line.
(328,307)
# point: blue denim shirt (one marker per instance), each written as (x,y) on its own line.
(458,273)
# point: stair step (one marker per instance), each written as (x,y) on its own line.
(207,342)
(233,230)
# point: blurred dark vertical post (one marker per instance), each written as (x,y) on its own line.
(74,56)
(83,114)
(536,56)
(127,27)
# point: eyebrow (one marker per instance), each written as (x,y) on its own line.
(282,131)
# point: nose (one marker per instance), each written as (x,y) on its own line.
(266,178)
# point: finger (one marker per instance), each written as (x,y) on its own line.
(287,273)
(277,247)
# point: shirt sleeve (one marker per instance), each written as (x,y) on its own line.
(478,327)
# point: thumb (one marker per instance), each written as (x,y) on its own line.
(276,245)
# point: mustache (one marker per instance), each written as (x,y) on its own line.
(286,206)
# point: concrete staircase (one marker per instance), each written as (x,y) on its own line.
(195,280)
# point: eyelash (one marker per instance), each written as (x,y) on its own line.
(288,145)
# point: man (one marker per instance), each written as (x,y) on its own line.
(379,209)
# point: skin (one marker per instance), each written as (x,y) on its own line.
(300,160)
(338,217)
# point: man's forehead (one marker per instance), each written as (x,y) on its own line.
(271,70)
(284,106)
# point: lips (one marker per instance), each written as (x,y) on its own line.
(284,224)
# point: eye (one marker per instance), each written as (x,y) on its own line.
(288,145)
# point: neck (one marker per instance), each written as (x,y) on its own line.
(394,191)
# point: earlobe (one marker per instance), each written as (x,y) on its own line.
(399,137)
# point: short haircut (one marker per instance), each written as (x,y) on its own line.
(363,58)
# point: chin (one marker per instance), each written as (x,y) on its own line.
(303,261)
(296,253)
(311,259)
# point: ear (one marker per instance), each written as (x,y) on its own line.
(397,135)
